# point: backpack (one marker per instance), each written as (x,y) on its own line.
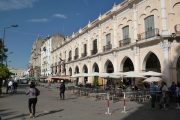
(37,92)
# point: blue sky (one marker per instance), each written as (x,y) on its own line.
(42,18)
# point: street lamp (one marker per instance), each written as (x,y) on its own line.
(7,58)
(3,40)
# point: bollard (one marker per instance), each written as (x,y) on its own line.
(108,105)
(124,104)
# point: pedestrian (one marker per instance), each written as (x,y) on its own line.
(10,86)
(153,89)
(178,96)
(32,92)
(62,90)
(165,95)
(15,85)
(172,91)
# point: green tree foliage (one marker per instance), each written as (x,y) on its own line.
(96,82)
(4,72)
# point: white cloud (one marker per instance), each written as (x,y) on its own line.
(15,4)
(38,20)
(58,15)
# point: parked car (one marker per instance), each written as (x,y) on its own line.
(23,81)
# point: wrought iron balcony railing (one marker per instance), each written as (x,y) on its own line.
(84,54)
(107,47)
(70,58)
(76,57)
(148,34)
(93,52)
(124,42)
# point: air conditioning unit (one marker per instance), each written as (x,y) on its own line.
(177,28)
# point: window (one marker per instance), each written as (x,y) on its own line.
(108,39)
(125,31)
(95,44)
(70,54)
(76,52)
(85,48)
(149,26)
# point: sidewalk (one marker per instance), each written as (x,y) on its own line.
(50,107)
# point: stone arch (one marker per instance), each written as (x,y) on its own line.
(176,4)
(70,71)
(85,69)
(95,67)
(124,19)
(108,67)
(147,8)
(126,65)
(76,70)
(154,11)
(142,16)
(151,62)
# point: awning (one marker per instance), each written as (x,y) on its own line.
(58,78)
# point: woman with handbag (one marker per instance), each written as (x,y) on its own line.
(32,93)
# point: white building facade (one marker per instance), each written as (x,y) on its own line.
(46,57)
(136,35)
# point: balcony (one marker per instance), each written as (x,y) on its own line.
(93,52)
(107,47)
(76,57)
(69,59)
(84,54)
(148,34)
(124,42)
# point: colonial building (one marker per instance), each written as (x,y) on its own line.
(48,66)
(35,59)
(135,35)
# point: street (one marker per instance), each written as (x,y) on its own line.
(50,107)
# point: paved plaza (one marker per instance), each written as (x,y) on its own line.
(50,107)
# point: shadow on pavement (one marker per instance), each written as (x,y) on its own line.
(146,113)
(21,117)
(5,113)
(49,112)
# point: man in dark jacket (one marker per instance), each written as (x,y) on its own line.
(62,90)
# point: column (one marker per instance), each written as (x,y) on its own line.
(136,59)
(164,18)
(100,47)
(165,45)
(134,24)
(115,39)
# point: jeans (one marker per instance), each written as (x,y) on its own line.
(62,95)
(32,105)
(153,100)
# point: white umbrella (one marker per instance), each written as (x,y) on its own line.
(133,74)
(93,74)
(152,79)
(152,73)
(117,73)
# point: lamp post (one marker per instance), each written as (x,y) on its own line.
(7,58)
(3,41)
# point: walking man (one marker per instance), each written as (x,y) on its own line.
(62,90)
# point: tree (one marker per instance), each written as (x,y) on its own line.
(4,74)
(95,82)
